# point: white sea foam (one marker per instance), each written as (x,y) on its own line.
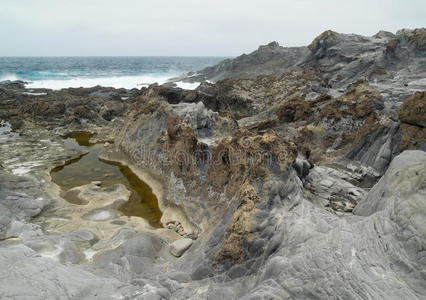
(11,77)
(127,82)
(187,85)
(34,94)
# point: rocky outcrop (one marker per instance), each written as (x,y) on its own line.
(13,85)
(271,59)
(392,62)
(295,186)
(412,115)
(67,107)
(413,111)
(377,149)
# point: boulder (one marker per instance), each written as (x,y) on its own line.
(177,248)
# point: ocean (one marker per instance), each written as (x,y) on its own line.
(119,72)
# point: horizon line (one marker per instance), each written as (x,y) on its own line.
(116,56)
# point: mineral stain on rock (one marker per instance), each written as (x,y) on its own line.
(88,168)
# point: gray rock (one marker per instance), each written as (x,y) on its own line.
(377,149)
(387,60)
(13,84)
(267,59)
(177,248)
(21,269)
(291,236)
(403,184)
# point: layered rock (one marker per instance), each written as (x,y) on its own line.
(296,186)
(271,59)
(394,63)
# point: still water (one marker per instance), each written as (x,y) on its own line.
(88,167)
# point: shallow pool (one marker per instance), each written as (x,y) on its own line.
(87,168)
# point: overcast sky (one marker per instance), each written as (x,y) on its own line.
(188,27)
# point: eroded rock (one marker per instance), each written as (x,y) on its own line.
(178,248)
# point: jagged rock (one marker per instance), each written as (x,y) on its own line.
(13,84)
(270,59)
(275,178)
(324,41)
(412,115)
(384,59)
(377,149)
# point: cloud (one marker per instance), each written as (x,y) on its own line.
(188,27)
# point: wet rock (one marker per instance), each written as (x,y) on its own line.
(13,84)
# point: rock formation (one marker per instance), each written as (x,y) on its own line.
(299,174)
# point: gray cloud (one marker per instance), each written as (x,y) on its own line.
(188,27)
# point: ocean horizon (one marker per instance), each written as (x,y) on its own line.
(57,72)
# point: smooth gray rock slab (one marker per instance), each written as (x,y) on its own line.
(177,248)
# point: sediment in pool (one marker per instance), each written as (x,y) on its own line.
(88,168)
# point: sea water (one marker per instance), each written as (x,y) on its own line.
(117,72)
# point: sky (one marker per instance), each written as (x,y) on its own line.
(188,27)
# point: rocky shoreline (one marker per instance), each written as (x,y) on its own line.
(299,174)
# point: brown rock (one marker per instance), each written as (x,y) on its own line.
(247,156)
(84,111)
(325,39)
(240,226)
(413,110)
(412,137)
(180,148)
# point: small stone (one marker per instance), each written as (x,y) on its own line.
(106,144)
(177,248)
(97,183)
(171,226)
(192,234)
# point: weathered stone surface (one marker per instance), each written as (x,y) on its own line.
(342,58)
(266,60)
(413,110)
(289,187)
(377,149)
(412,115)
(404,185)
(178,248)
